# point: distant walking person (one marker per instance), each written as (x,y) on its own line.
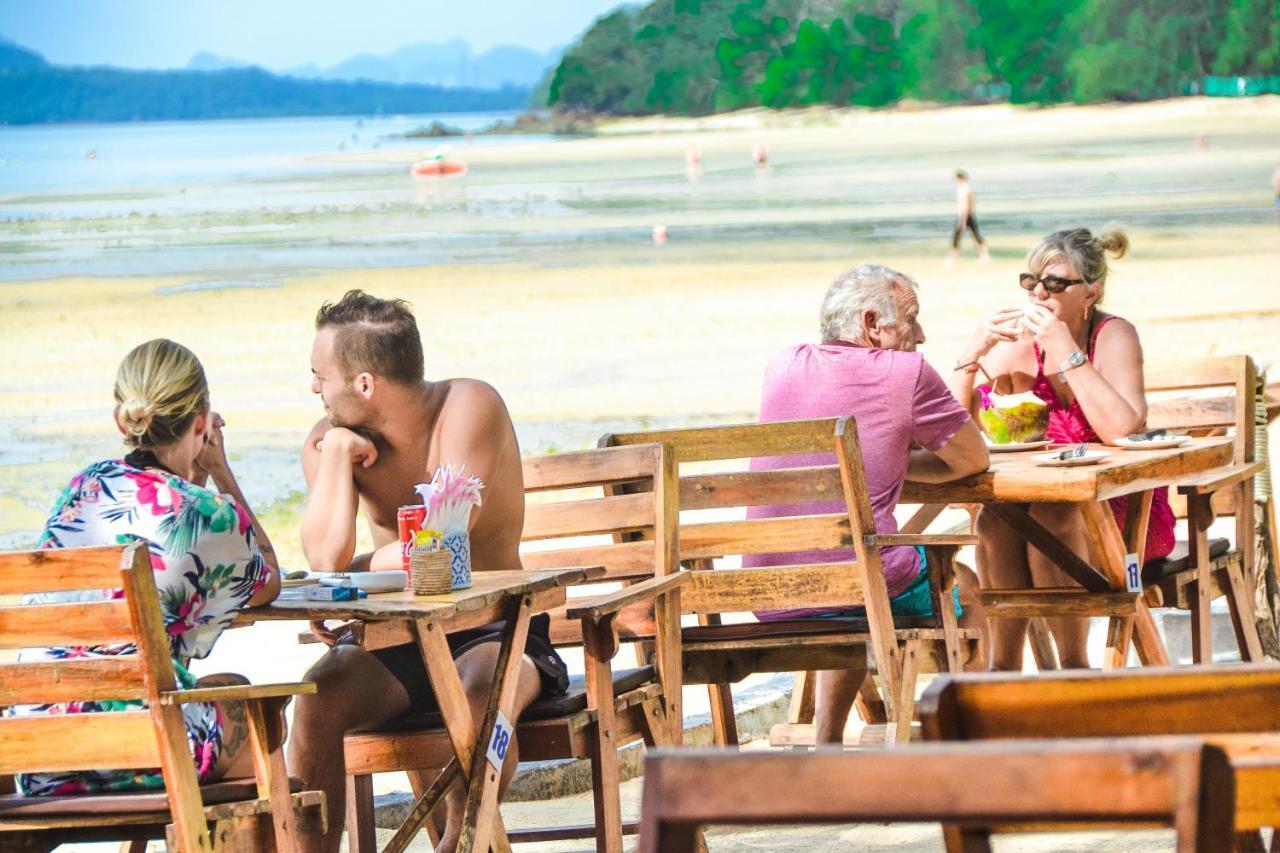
(965,218)
(1275,187)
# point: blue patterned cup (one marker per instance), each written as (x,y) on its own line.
(458,544)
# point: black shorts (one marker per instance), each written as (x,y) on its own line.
(405,661)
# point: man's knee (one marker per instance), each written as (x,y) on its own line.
(342,692)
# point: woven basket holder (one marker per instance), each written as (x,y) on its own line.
(429,571)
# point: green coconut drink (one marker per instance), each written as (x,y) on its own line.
(1013,418)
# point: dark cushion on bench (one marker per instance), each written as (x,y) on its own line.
(546,708)
(1179,559)
(129,802)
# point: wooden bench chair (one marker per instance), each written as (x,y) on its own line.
(259,814)
(1236,708)
(719,654)
(1201,397)
(570,521)
(1176,782)
(1204,397)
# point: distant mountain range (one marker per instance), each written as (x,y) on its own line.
(449,63)
(32,91)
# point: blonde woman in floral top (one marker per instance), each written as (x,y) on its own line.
(210,556)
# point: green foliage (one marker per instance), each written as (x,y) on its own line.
(699,56)
(54,94)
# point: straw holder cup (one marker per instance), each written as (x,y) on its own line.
(458,545)
(430,571)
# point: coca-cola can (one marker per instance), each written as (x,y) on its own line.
(410,520)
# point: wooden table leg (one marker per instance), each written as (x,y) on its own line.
(482,787)
(1108,542)
(454,707)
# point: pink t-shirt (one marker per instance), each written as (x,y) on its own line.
(898,401)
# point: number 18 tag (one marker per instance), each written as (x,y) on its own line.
(1132,574)
(499,743)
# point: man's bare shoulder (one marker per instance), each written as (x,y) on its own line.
(473,398)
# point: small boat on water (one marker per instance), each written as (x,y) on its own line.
(438,167)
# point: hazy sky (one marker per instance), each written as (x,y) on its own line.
(279,33)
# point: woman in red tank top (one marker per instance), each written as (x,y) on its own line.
(1087,367)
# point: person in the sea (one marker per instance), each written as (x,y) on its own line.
(909,425)
(385,429)
(211,556)
(1086,365)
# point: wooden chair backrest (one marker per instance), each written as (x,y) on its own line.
(58,742)
(96,741)
(1066,704)
(1203,396)
(1177,782)
(577,513)
(1236,708)
(730,489)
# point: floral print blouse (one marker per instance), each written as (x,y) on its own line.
(207,566)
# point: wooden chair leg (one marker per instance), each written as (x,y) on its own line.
(420,781)
(1042,648)
(362,836)
(899,731)
(723,722)
(802,707)
(137,845)
(1240,605)
(870,704)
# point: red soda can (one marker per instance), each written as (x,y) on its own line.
(410,520)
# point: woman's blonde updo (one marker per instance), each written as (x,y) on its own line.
(1086,253)
(160,388)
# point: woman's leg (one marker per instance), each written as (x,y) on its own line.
(1002,564)
(1070,634)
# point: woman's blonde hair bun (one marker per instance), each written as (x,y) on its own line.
(1114,241)
(160,388)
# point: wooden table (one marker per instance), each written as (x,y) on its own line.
(513,596)
(1016,478)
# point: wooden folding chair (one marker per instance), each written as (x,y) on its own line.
(719,654)
(1176,782)
(1236,708)
(571,521)
(1203,397)
(259,814)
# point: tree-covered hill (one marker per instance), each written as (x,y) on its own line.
(701,56)
(32,91)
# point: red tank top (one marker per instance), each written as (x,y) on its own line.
(1068,425)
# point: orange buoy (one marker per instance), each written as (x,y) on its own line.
(439,167)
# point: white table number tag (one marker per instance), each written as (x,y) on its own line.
(1132,574)
(500,742)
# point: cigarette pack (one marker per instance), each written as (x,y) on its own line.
(334,593)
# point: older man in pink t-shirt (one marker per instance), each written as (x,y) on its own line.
(908,424)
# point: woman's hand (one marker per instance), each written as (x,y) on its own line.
(349,444)
(1050,333)
(999,327)
(212,458)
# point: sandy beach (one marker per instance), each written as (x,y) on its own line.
(537,273)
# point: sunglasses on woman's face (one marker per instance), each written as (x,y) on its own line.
(1052,283)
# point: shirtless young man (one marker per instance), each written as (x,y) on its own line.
(385,429)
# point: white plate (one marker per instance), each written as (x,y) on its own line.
(1013,447)
(1153,444)
(391,580)
(1091,457)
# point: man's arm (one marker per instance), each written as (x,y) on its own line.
(329,520)
(952,445)
(964,454)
